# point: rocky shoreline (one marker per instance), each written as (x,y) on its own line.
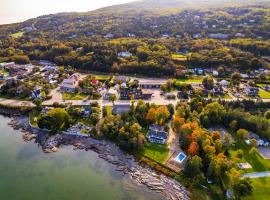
(167,187)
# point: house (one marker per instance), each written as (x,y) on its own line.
(79,49)
(124,54)
(109,36)
(49,68)
(240,35)
(36,93)
(218,36)
(156,134)
(46,62)
(122,79)
(252,91)
(146,94)
(10,64)
(218,90)
(130,93)
(110,93)
(224,83)
(245,76)
(182,95)
(165,35)
(151,83)
(86,111)
(131,35)
(215,73)
(197,36)
(170,96)
(205,92)
(199,71)
(119,109)
(70,84)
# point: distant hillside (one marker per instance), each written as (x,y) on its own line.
(217,33)
(177,5)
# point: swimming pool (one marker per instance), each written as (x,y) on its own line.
(180,157)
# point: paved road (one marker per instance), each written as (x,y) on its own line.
(257,174)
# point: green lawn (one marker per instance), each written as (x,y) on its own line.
(71,96)
(257,162)
(101,77)
(264,94)
(191,80)
(179,57)
(261,189)
(157,152)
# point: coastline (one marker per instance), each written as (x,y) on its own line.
(167,187)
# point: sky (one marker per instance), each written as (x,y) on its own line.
(19,10)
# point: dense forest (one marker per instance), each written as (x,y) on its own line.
(235,35)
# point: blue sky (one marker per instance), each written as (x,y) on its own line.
(20,10)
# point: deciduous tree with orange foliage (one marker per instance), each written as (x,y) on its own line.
(151,115)
(158,115)
(216,135)
(177,123)
(193,149)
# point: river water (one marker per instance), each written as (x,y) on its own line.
(27,173)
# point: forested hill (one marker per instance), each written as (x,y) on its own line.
(139,18)
(208,33)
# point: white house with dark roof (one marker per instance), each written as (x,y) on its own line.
(70,84)
(156,134)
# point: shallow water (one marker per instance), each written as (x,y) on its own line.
(27,173)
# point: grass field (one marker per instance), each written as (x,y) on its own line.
(261,189)
(101,76)
(264,94)
(191,80)
(157,152)
(257,162)
(71,96)
(179,57)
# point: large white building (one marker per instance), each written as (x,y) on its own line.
(70,84)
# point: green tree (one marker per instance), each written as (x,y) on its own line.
(193,167)
(242,134)
(242,188)
(208,82)
(267,114)
(215,112)
(55,120)
(112,98)
(236,78)
(94,117)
